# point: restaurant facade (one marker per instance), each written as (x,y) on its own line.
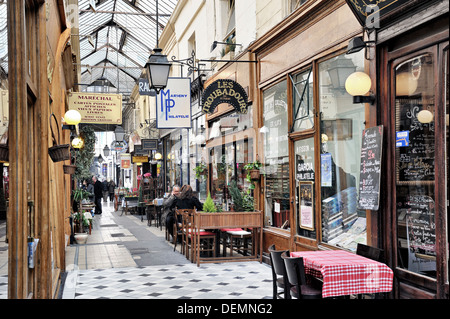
(312,133)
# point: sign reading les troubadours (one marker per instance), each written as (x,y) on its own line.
(97,108)
(224,91)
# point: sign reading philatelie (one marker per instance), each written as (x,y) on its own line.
(224,91)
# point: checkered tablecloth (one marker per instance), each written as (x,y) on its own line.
(345,273)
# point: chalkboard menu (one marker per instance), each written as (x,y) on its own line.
(414,144)
(420,224)
(369,176)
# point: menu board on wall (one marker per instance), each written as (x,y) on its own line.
(369,177)
(414,144)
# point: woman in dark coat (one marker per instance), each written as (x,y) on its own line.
(187,200)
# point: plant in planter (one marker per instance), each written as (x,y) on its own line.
(200,170)
(253,170)
(243,201)
(209,205)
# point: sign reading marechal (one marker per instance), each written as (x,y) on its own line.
(224,91)
(97,107)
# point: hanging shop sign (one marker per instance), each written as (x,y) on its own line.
(140,159)
(369,13)
(149,144)
(224,91)
(144,88)
(125,161)
(173,104)
(97,108)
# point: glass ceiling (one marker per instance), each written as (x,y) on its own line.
(3,39)
(117,39)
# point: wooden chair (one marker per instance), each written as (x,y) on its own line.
(371,253)
(237,239)
(207,239)
(295,271)
(178,230)
(279,276)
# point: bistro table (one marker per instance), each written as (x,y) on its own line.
(344,273)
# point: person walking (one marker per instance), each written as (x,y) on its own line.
(98,194)
(111,187)
(90,189)
(169,211)
(105,190)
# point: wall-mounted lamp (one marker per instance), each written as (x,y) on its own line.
(215,43)
(357,44)
(77,142)
(100,159)
(158,156)
(358,84)
(72,118)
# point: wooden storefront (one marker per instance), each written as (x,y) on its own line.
(412,45)
(40,74)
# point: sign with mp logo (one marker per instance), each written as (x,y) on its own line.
(173,104)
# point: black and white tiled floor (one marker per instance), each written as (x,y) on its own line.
(246,280)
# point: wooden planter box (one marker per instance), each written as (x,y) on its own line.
(221,220)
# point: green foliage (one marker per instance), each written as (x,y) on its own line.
(209,206)
(243,201)
(85,155)
(199,170)
(80,194)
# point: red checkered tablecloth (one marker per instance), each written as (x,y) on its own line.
(345,273)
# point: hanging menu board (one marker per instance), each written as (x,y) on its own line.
(369,177)
(414,144)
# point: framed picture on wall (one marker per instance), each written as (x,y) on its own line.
(306,204)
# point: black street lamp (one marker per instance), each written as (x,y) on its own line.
(158,68)
(106,151)
(119,133)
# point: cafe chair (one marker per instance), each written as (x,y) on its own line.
(373,253)
(279,276)
(370,252)
(295,271)
(238,240)
(178,230)
(207,239)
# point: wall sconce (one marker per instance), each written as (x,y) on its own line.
(405,84)
(158,156)
(215,43)
(358,84)
(425,116)
(72,118)
(77,142)
(100,159)
(357,44)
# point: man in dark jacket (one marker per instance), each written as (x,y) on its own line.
(98,194)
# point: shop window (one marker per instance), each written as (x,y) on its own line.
(231,123)
(304,188)
(276,156)
(415,164)
(303,101)
(341,126)
(227,165)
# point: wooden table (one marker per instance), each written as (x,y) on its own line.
(209,221)
(344,273)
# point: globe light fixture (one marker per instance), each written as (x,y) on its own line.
(72,117)
(405,84)
(77,142)
(358,84)
(158,156)
(425,116)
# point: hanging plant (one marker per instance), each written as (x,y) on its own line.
(85,156)
(200,170)
(253,171)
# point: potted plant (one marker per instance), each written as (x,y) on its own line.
(209,205)
(242,200)
(253,170)
(200,170)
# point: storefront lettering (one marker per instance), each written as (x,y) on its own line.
(224,91)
